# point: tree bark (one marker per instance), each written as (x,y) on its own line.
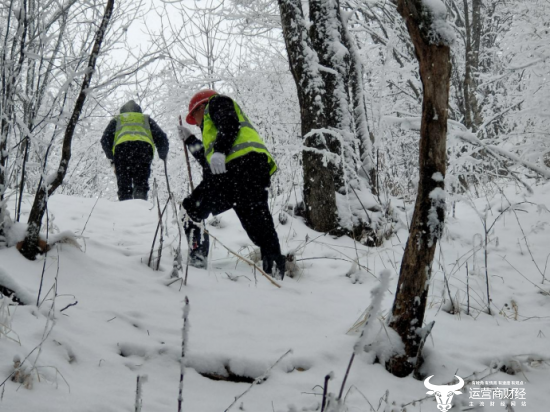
(472,111)
(326,38)
(30,248)
(362,131)
(427,222)
(319,187)
(320,61)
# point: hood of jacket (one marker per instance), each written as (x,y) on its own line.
(131,107)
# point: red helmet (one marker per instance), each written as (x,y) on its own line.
(199,98)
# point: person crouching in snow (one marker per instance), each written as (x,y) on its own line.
(129,142)
(237,169)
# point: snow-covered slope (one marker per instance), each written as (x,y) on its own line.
(127,321)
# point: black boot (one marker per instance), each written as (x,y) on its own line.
(197,259)
(199,244)
(140,193)
(274,265)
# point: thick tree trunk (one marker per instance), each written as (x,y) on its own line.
(30,248)
(319,187)
(427,222)
(328,39)
(320,62)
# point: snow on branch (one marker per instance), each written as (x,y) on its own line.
(328,156)
(374,310)
(320,131)
(463,134)
(409,123)
(499,152)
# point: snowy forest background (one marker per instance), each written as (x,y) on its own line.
(498,91)
(161,53)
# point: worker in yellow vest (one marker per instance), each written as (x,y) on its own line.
(129,142)
(237,169)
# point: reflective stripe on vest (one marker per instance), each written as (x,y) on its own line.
(133,127)
(247,140)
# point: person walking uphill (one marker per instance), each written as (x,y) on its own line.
(237,169)
(129,142)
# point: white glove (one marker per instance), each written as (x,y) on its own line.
(184,133)
(217,163)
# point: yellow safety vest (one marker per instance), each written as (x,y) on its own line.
(248,140)
(132,127)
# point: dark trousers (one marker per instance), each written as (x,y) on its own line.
(133,167)
(244,188)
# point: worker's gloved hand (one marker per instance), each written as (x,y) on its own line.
(184,133)
(217,163)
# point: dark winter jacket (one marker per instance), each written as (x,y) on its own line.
(222,112)
(246,179)
(243,187)
(159,137)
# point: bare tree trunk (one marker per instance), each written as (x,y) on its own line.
(11,68)
(322,66)
(325,33)
(472,111)
(29,248)
(319,186)
(433,55)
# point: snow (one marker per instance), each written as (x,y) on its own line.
(436,7)
(438,195)
(441,30)
(438,177)
(22,293)
(15,233)
(374,309)
(127,322)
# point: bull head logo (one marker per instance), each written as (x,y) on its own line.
(444,393)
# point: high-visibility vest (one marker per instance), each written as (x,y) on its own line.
(248,140)
(133,127)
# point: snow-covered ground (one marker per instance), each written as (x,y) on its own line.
(128,322)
